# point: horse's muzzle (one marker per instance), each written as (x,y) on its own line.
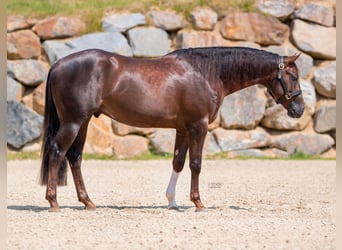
(295,110)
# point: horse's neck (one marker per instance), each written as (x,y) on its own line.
(241,78)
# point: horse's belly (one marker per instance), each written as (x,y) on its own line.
(140,113)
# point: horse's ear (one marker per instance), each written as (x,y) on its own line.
(291,59)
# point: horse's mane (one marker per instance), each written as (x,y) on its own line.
(231,63)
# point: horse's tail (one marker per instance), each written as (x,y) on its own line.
(50,128)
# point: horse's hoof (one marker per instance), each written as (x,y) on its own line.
(201,209)
(90,208)
(173,208)
(54,209)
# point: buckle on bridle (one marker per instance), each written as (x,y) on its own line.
(281,66)
(288,96)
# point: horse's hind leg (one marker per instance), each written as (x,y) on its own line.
(64,138)
(74,156)
(181,147)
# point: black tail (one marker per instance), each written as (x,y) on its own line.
(51,126)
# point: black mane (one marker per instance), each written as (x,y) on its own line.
(231,63)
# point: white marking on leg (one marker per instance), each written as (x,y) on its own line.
(171,190)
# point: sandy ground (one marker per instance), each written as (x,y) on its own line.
(252,204)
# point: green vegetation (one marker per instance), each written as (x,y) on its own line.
(92,11)
(11,155)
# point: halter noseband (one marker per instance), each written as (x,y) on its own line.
(288,95)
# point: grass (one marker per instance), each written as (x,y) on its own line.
(93,11)
(12,155)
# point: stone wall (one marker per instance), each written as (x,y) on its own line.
(258,127)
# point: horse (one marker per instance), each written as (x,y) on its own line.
(182,90)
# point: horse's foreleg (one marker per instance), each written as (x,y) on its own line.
(181,147)
(74,156)
(197,134)
(64,138)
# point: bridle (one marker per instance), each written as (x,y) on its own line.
(288,95)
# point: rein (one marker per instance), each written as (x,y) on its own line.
(288,95)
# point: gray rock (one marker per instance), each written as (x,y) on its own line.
(203,19)
(108,41)
(280,9)
(167,20)
(55,50)
(325,118)
(149,42)
(23,125)
(309,95)
(325,79)
(15,90)
(304,62)
(229,140)
(305,38)
(243,109)
(210,145)
(276,118)
(305,142)
(255,153)
(163,141)
(122,22)
(316,13)
(28,72)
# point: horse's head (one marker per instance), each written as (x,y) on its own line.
(285,88)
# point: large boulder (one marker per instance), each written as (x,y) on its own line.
(243,109)
(59,27)
(29,72)
(229,140)
(316,13)
(163,141)
(305,38)
(264,30)
(17,22)
(15,90)
(308,143)
(108,41)
(325,118)
(203,19)
(149,42)
(130,146)
(279,9)
(325,79)
(23,44)
(167,20)
(100,137)
(122,22)
(276,118)
(23,125)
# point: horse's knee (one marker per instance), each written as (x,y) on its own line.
(56,153)
(178,164)
(195,166)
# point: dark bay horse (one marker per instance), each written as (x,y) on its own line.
(182,90)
